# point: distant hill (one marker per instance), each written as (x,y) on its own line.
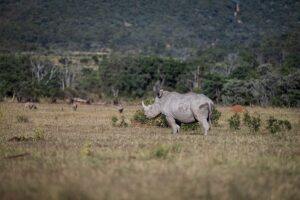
(167,27)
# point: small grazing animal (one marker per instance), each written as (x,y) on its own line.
(74,106)
(30,105)
(120,108)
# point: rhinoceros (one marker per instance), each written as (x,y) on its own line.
(181,108)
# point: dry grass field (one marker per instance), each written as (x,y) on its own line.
(57,153)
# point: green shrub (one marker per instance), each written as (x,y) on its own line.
(275,125)
(39,134)
(116,123)
(235,122)
(252,122)
(22,119)
(215,117)
(140,117)
(86,150)
(114,120)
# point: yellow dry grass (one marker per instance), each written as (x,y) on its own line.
(81,156)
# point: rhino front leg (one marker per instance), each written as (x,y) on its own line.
(172,124)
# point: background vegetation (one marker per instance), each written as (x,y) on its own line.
(267,74)
(129,49)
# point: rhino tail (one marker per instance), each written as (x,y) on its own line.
(210,112)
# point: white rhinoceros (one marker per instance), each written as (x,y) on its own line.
(185,108)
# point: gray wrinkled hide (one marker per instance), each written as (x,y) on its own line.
(185,108)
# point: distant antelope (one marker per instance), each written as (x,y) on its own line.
(74,106)
(120,108)
(30,105)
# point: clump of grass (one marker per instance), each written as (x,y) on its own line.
(116,123)
(252,122)
(39,134)
(1,115)
(114,120)
(235,122)
(215,117)
(86,149)
(275,125)
(165,151)
(22,119)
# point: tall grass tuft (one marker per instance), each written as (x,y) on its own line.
(86,150)
(22,119)
(215,117)
(165,151)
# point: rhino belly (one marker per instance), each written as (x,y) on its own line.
(184,117)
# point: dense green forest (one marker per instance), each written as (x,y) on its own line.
(174,28)
(245,52)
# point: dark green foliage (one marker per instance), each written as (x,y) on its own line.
(235,122)
(215,117)
(172,28)
(15,75)
(252,122)
(276,125)
(132,75)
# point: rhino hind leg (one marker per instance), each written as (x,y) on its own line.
(202,116)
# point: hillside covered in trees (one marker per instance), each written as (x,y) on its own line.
(174,28)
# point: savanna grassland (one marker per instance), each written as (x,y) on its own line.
(57,153)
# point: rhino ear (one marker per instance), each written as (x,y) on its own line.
(160,93)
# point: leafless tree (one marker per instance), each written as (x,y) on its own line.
(43,70)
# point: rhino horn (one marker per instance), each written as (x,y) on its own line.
(144,105)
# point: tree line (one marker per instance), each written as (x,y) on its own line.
(264,74)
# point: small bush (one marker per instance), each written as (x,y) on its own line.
(122,122)
(140,117)
(22,119)
(86,149)
(275,125)
(235,122)
(114,120)
(215,117)
(252,122)
(39,134)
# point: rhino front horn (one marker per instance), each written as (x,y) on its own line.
(143,105)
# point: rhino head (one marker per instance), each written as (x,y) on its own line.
(153,110)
